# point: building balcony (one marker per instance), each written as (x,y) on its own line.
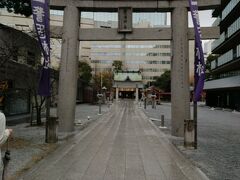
(229,82)
(229,17)
(227,62)
(229,8)
(230,66)
(219,41)
(220,46)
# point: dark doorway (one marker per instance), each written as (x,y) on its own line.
(127,94)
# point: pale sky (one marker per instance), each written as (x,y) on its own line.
(206,19)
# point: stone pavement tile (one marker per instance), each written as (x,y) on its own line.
(134,167)
(151,166)
(168,165)
(154,177)
(92,177)
(186,167)
(81,161)
(99,162)
(134,174)
(116,167)
(61,167)
(24,158)
(124,145)
(51,167)
(134,164)
(117,160)
(84,161)
(73,176)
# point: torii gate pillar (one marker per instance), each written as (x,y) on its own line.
(68,69)
(180,93)
(178,34)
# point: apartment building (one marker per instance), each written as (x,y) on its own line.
(223,89)
(152,58)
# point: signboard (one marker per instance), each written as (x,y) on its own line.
(40,10)
(124,19)
(199,64)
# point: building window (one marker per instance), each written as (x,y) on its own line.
(235,53)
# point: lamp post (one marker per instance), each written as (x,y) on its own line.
(99,102)
(145,102)
(153,96)
(104,93)
(145,99)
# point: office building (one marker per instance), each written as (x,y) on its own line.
(223,89)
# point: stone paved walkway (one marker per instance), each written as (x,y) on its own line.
(28,143)
(123,144)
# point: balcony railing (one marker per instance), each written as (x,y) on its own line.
(217,22)
(238,50)
(225,58)
(231,5)
(213,64)
(224,75)
(219,41)
(234,27)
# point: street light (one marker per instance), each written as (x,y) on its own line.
(104,93)
(99,102)
(153,96)
(145,98)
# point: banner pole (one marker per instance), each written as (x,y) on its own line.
(195,123)
(47,105)
(199,64)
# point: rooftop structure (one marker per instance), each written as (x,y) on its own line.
(128,84)
(134,76)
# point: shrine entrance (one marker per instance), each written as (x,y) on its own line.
(127,84)
(127,94)
(178,34)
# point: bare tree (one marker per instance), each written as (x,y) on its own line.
(7,50)
(15,49)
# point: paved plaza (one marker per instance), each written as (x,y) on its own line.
(218,154)
(122,144)
(28,144)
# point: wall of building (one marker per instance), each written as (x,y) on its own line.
(151,57)
(224,87)
(19,53)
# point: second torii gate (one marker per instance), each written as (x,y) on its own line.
(179,34)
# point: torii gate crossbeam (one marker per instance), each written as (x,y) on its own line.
(140,34)
(138,5)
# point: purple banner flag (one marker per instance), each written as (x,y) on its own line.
(40,11)
(199,64)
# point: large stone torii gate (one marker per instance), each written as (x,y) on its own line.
(179,34)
